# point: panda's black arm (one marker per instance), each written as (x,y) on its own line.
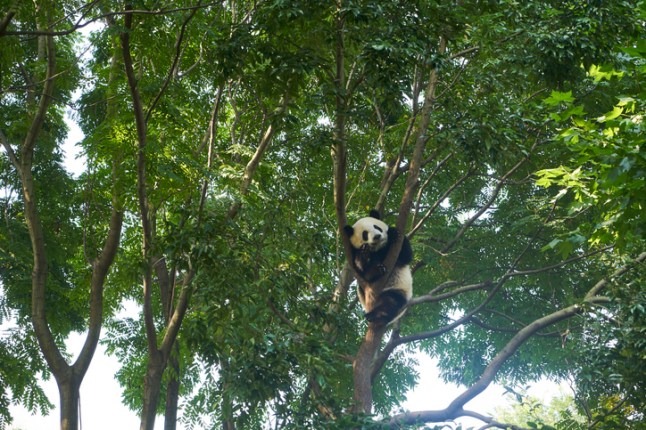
(406,253)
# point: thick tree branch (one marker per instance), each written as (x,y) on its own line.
(6,20)
(140,122)
(40,271)
(99,273)
(412,181)
(363,363)
(172,329)
(455,409)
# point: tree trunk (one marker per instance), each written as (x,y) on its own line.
(68,389)
(152,387)
(172,391)
(362,367)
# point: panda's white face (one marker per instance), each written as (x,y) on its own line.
(371,232)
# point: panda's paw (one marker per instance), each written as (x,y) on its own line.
(376,316)
(382,269)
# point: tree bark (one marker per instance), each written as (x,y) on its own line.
(362,368)
(172,392)
(68,390)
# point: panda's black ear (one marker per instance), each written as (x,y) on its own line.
(375,214)
(349,231)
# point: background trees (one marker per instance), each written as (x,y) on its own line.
(227,144)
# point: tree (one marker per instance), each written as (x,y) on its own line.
(238,138)
(29,110)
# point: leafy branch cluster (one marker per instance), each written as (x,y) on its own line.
(227,143)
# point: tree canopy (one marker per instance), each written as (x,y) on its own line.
(228,143)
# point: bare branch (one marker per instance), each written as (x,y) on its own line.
(426,183)
(433,298)
(439,201)
(559,264)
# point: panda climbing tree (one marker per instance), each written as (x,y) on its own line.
(371,240)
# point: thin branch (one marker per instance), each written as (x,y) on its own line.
(439,201)
(254,162)
(108,15)
(10,152)
(489,202)
(140,123)
(560,264)
(426,183)
(211,133)
(171,70)
(601,418)
(434,298)
(599,286)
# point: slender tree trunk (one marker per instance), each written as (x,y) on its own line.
(68,389)
(68,378)
(152,388)
(172,391)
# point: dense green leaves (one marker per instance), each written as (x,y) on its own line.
(531,192)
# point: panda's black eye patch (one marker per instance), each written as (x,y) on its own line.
(365,235)
(378,229)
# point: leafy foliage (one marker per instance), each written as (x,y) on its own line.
(530,193)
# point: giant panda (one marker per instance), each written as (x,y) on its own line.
(370,240)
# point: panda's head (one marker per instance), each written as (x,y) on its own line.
(368,231)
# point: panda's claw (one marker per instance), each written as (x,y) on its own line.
(382,269)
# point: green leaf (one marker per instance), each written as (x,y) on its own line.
(611,115)
(557,97)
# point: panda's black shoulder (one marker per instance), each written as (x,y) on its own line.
(406,253)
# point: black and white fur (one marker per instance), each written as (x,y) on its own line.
(371,240)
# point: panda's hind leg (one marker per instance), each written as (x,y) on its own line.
(388,307)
